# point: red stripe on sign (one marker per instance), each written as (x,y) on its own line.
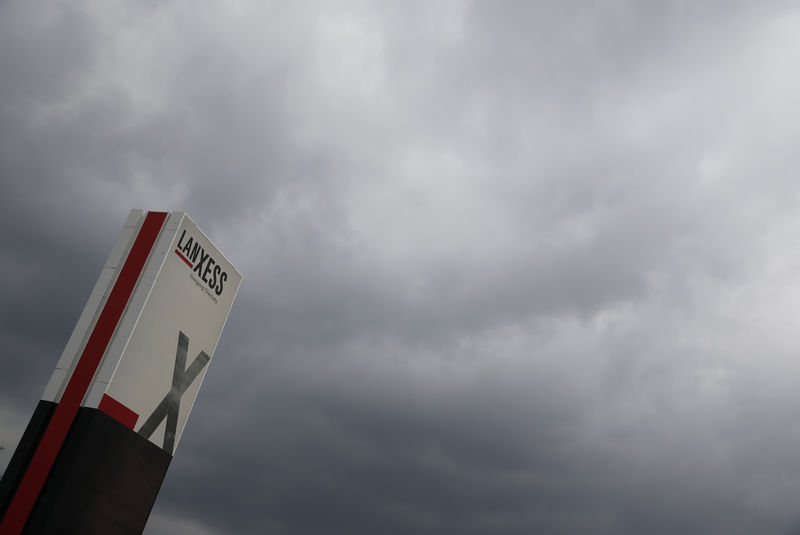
(118,411)
(177,252)
(53,438)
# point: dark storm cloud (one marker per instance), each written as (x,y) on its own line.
(509,267)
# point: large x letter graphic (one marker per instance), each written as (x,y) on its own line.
(168,408)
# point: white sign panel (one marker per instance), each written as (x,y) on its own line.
(171,344)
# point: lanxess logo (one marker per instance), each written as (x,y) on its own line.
(201,263)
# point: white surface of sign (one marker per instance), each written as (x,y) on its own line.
(162,343)
(166,357)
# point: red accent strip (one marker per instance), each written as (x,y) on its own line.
(177,252)
(118,411)
(53,438)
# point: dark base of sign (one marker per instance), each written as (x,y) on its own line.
(22,455)
(104,481)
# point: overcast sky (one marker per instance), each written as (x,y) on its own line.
(509,267)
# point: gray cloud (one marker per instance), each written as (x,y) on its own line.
(509,268)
